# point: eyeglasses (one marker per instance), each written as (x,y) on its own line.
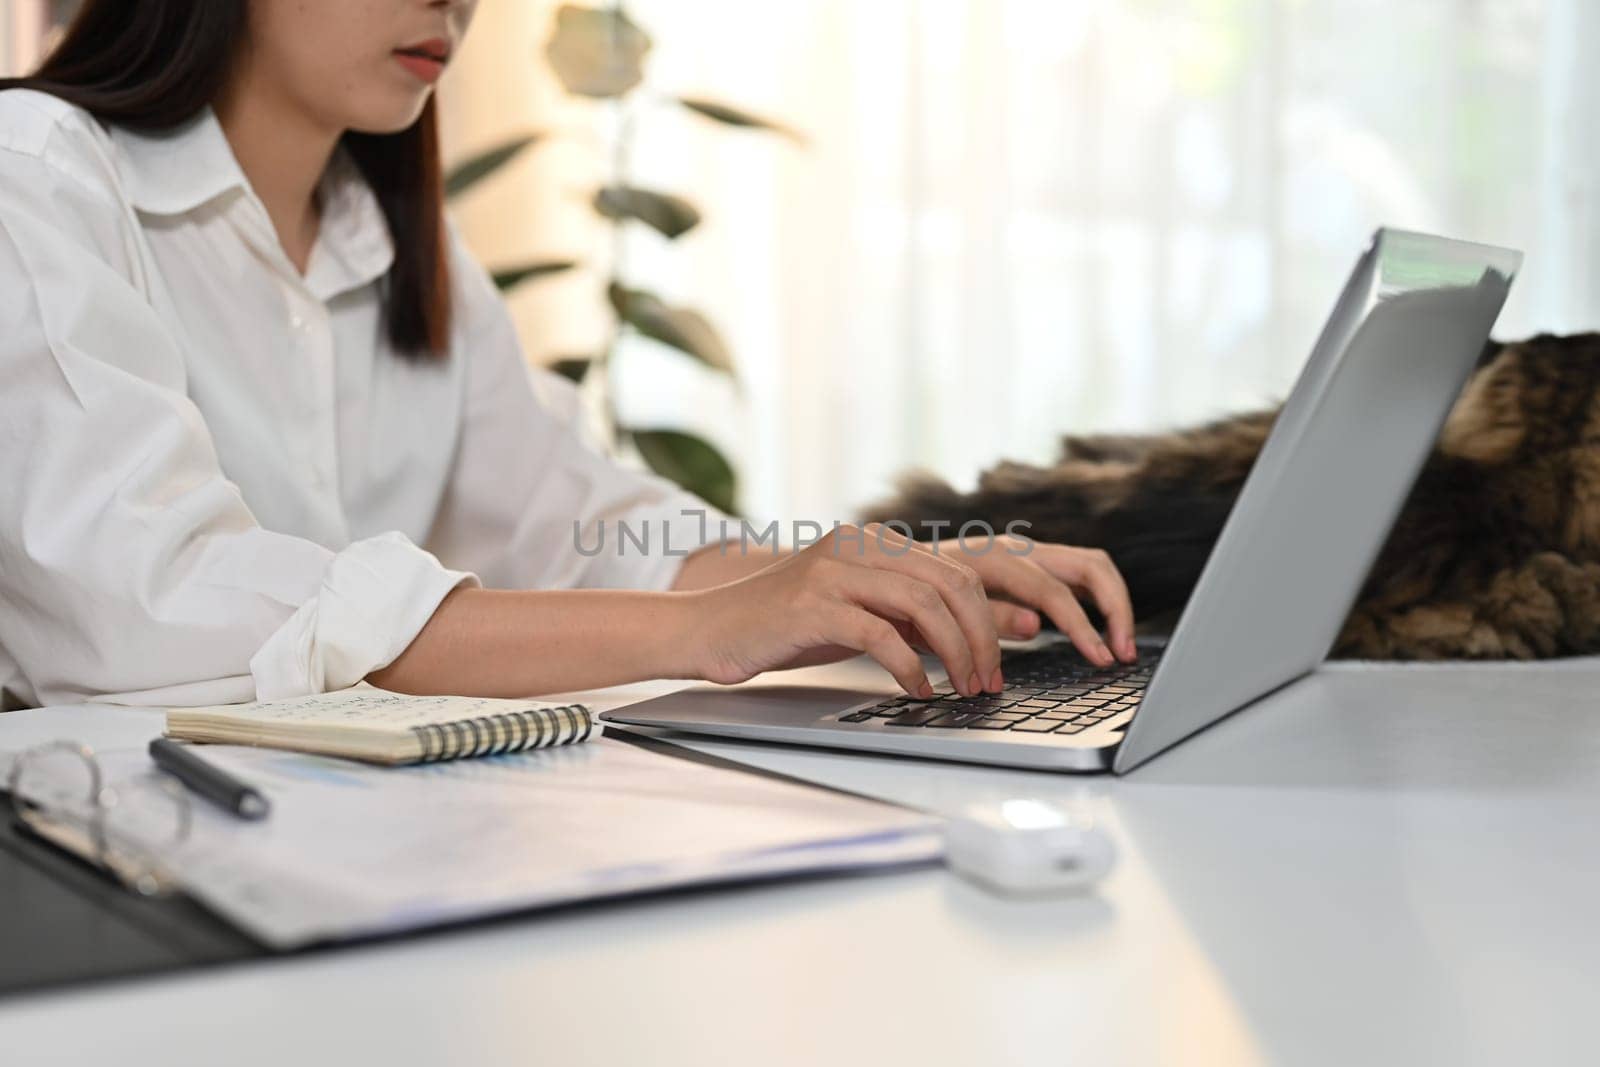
(58,793)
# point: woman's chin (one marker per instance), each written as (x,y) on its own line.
(391,117)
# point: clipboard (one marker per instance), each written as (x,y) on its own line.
(76,923)
(65,922)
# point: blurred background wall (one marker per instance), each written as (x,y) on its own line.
(1020,218)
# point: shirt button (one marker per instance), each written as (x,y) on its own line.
(297,322)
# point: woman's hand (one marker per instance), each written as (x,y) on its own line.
(871,590)
(1026,577)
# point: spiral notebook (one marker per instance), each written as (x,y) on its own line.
(377,726)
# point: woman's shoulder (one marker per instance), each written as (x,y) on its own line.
(37,123)
(59,178)
(38,129)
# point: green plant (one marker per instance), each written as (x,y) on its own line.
(599,54)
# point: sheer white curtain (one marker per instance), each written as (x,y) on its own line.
(1020,218)
(1029,217)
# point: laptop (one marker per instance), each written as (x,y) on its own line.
(1402,339)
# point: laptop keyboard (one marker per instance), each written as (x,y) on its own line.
(1048,690)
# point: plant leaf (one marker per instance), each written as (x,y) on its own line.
(729,115)
(692,462)
(573,369)
(509,277)
(672,216)
(683,328)
(597,52)
(474,169)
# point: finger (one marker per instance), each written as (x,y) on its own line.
(857,628)
(909,634)
(899,596)
(1013,621)
(963,593)
(1028,583)
(1093,570)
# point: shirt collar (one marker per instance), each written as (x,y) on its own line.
(173,171)
(168,172)
(353,243)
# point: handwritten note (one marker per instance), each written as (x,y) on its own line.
(364,706)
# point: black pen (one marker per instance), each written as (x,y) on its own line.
(213,783)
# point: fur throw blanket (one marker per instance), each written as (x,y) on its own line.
(1496,554)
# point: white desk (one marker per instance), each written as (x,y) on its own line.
(1374,865)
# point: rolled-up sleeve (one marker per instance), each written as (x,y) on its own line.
(131,569)
(530,503)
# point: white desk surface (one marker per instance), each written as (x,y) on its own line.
(1375,865)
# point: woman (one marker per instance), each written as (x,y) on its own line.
(246,370)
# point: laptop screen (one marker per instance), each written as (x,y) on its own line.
(1329,482)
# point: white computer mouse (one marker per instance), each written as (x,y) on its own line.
(1027,846)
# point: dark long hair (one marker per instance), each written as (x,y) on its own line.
(153,64)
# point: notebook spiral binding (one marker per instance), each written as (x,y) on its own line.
(493,735)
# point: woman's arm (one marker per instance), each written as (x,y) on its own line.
(821,604)
(723,563)
(853,591)
(495,642)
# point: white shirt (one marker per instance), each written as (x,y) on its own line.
(215,475)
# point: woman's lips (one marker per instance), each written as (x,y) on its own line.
(426,68)
(425,59)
